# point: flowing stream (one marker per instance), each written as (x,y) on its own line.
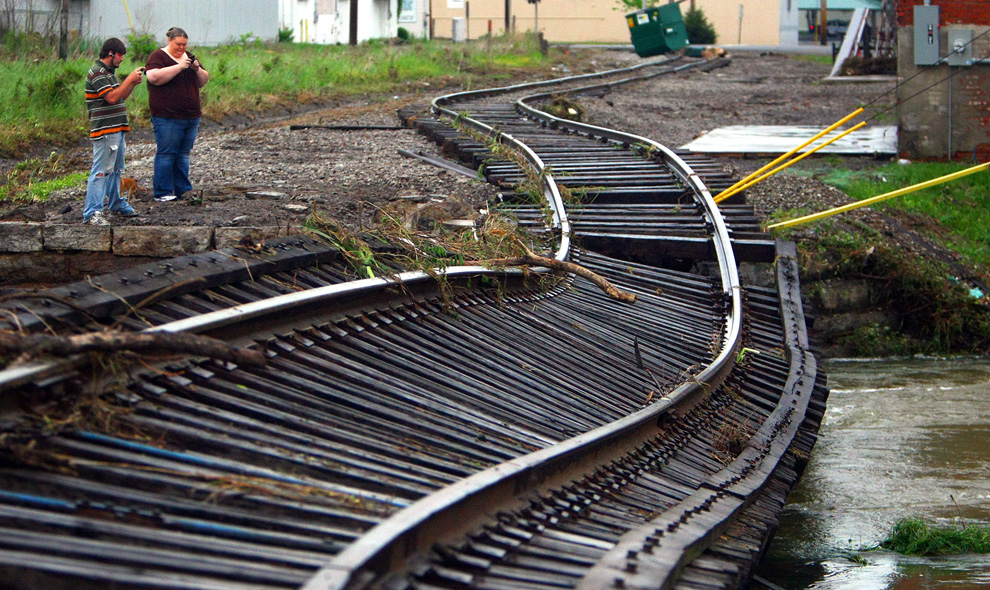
(900,439)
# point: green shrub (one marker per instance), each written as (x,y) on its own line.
(55,87)
(633,5)
(139,47)
(699,30)
(403,33)
(285,35)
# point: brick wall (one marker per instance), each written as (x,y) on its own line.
(951,12)
(942,116)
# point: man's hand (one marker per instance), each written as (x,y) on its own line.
(135,77)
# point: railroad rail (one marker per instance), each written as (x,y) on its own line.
(501,432)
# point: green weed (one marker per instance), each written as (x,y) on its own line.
(915,537)
(822,59)
(41,98)
(938,314)
(36,179)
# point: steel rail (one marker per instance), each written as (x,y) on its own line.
(723,244)
(410,531)
(15,377)
(544,467)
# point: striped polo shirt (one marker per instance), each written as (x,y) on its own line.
(104,118)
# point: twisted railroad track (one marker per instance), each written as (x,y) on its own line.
(501,432)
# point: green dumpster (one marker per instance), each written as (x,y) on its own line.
(657,30)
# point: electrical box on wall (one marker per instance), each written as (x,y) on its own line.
(926,35)
(960,47)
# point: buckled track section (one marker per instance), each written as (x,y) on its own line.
(400,439)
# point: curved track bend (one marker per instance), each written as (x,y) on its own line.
(503,435)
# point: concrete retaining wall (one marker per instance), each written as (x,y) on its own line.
(57,252)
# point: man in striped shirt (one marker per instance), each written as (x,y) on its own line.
(105,97)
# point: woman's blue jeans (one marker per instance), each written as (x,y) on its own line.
(175,139)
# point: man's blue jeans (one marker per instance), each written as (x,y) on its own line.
(175,139)
(104,178)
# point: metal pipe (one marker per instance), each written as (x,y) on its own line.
(883,197)
(783,157)
(726,194)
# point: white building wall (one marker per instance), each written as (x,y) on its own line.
(328,21)
(207,23)
(415,17)
(789,23)
(43,16)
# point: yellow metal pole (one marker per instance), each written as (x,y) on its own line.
(883,197)
(780,159)
(725,195)
(128,11)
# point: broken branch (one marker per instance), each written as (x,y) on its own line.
(152,343)
(531,259)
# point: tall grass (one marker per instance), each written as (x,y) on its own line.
(915,537)
(41,98)
(961,206)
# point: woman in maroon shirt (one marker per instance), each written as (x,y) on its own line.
(174,79)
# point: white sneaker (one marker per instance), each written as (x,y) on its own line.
(98,219)
(165,198)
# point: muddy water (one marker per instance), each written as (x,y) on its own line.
(900,439)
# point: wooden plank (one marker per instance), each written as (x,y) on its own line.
(773,140)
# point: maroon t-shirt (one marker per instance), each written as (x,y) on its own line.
(179,97)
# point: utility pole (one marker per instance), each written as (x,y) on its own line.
(823,24)
(354,22)
(536,11)
(63,33)
(741,10)
(508,16)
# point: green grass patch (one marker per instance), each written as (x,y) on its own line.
(41,98)
(915,537)
(960,206)
(40,191)
(35,179)
(822,59)
(959,210)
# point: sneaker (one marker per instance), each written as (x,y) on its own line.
(165,198)
(129,212)
(97,219)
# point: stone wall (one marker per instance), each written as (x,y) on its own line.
(54,252)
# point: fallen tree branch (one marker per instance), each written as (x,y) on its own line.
(150,343)
(531,259)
